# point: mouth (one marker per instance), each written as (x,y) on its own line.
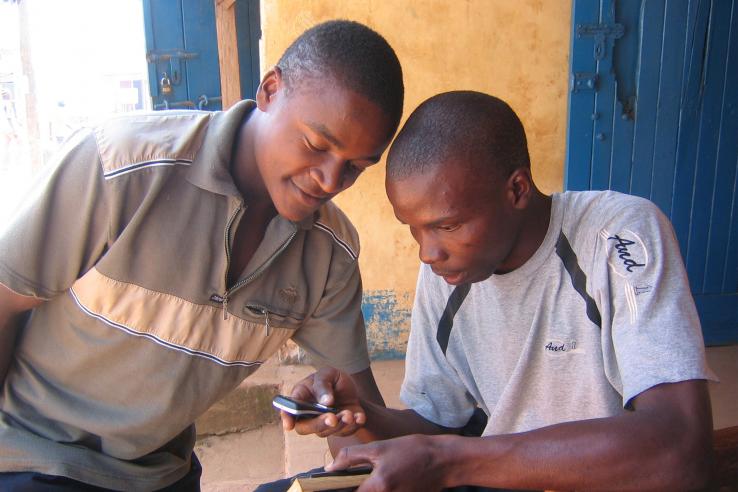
(310,199)
(452,278)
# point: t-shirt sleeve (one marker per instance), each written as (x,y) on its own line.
(432,387)
(651,331)
(61,229)
(335,334)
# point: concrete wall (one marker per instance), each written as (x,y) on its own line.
(515,50)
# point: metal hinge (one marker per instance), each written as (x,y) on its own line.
(600,32)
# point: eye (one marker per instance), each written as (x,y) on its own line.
(312,147)
(448,227)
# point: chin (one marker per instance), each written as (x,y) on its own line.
(294,214)
(480,277)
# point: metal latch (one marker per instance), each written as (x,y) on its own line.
(174,57)
(157,56)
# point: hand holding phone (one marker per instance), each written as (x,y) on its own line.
(327,385)
(299,408)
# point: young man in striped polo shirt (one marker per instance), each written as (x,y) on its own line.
(168,255)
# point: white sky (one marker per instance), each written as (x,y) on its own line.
(76,45)
(76,42)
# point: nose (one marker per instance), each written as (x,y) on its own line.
(329,175)
(430,251)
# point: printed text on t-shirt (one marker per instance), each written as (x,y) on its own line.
(621,244)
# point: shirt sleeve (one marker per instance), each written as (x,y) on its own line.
(651,330)
(432,387)
(61,229)
(335,334)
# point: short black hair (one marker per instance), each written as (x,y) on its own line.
(354,55)
(466,128)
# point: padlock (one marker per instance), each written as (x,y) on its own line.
(165,84)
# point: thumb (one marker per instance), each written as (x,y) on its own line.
(323,386)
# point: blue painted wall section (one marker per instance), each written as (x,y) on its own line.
(387,322)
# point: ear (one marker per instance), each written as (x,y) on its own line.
(519,187)
(271,85)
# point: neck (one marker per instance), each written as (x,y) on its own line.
(532,231)
(244,168)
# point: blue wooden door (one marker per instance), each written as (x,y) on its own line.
(653,111)
(182,53)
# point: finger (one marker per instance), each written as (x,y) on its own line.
(352,418)
(350,456)
(317,425)
(337,431)
(346,417)
(340,429)
(288,421)
(347,430)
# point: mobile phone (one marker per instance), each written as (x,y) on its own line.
(300,408)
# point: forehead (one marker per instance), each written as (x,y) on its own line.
(430,196)
(329,104)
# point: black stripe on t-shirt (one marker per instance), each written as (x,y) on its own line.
(578,277)
(447,319)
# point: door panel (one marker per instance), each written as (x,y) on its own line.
(661,121)
(182,51)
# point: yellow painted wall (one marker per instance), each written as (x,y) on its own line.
(513,49)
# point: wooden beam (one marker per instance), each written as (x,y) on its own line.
(230,78)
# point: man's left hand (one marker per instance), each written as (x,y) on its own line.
(408,463)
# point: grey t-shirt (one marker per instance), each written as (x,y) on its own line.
(600,313)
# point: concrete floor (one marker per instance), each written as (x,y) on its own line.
(241,461)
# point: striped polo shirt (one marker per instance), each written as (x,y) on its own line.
(128,240)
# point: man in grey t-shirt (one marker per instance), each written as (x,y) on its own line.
(567,319)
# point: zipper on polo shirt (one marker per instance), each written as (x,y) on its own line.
(265,312)
(224,298)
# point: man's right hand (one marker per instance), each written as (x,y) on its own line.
(330,387)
